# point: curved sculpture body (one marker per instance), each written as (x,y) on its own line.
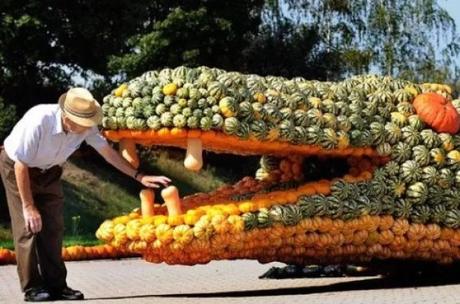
(349,171)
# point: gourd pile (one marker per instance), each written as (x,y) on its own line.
(75,253)
(366,168)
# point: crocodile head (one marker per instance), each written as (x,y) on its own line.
(349,171)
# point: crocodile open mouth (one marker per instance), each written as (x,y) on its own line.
(283,168)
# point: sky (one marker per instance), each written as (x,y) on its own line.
(453,7)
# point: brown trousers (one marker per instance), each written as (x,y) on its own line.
(39,259)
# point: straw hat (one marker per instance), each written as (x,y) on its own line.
(80,107)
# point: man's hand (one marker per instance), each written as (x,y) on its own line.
(32,219)
(152,181)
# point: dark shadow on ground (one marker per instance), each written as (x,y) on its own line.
(396,269)
(393,274)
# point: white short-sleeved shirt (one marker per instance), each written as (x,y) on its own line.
(39,139)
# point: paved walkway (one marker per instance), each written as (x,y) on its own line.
(136,281)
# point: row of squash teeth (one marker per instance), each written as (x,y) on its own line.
(313,239)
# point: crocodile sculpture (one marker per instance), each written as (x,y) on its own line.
(354,171)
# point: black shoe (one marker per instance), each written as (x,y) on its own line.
(67,294)
(37,295)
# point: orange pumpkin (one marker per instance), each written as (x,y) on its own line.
(437,112)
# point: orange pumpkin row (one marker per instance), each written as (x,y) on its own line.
(76,253)
(220,142)
(317,240)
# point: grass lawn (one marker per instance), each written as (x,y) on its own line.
(95,191)
(83,240)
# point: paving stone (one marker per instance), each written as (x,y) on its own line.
(136,281)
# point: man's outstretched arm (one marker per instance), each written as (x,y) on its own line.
(116,160)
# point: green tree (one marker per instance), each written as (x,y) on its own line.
(283,47)
(248,36)
(46,43)
(204,32)
(414,39)
(7,119)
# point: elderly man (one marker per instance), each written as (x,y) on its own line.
(31,169)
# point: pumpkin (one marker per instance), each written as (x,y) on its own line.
(217,89)
(437,112)
(119,91)
(228,106)
(417,193)
(170,89)
(260,97)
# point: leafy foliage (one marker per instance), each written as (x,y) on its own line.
(210,33)
(46,44)
(410,39)
(7,118)
(50,45)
